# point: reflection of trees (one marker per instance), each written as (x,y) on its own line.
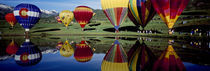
(140,57)
(115,59)
(169,61)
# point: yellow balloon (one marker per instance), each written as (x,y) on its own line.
(66,17)
(66,50)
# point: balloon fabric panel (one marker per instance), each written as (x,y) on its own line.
(27,15)
(10,18)
(83,14)
(142,11)
(169,10)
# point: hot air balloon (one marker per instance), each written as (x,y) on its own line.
(115,59)
(115,11)
(66,17)
(12,48)
(83,14)
(169,10)
(27,15)
(58,19)
(83,52)
(140,57)
(66,50)
(10,18)
(141,12)
(59,44)
(169,61)
(28,54)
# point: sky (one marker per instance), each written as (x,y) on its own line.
(57,5)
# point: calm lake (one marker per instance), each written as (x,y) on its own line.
(81,53)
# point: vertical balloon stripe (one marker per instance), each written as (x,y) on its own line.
(142,11)
(83,14)
(169,10)
(115,11)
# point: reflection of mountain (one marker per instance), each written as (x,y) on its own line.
(28,54)
(83,52)
(140,57)
(169,61)
(66,50)
(115,59)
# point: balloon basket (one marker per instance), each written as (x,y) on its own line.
(116,31)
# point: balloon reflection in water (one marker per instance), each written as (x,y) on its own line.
(140,57)
(59,44)
(12,48)
(115,59)
(66,50)
(83,52)
(28,54)
(169,61)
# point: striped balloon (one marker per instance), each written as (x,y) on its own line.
(169,10)
(115,59)
(28,54)
(115,11)
(141,12)
(140,57)
(27,15)
(83,52)
(169,61)
(83,14)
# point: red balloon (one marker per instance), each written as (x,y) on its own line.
(83,52)
(83,14)
(12,48)
(10,18)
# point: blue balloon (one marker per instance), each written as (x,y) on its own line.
(27,15)
(28,54)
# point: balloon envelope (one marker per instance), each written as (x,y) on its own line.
(83,14)
(10,18)
(141,12)
(115,11)
(115,59)
(28,54)
(58,19)
(12,48)
(169,61)
(83,52)
(59,44)
(27,15)
(66,17)
(169,10)
(140,57)
(66,50)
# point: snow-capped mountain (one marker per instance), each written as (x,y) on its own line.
(48,13)
(4,9)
